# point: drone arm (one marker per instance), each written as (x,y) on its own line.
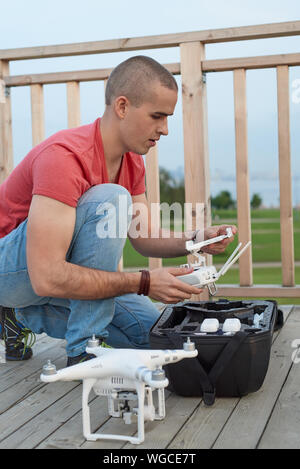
(163,357)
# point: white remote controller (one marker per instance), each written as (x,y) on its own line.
(201,276)
(207,275)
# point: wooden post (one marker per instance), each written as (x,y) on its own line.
(73,100)
(37,114)
(242,172)
(286,206)
(194,106)
(153,195)
(6,147)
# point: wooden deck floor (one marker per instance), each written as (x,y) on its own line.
(38,415)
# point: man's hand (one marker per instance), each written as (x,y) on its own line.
(165,287)
(212,232)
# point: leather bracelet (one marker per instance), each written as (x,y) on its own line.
(144,283)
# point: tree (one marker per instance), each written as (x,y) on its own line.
(223,200)
(256,201)
(170,190)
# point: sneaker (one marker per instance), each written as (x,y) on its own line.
(105,345)
(83,357)
(17,338)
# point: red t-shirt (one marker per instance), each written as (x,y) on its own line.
(64,167)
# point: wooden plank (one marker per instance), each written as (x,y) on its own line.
(249,63)
(32,405)
(121,264)
(6,145)
(12,372)
(261,31)
(285,178)
(37,114)
(216,65)
(65,77)
(247,422)
(259,291)
(73,103)
(153,197)
(242,175)
(204,425)
(69,435)
(58,77)
(195,128)
(283,428)
(196,158)
(26,381)
(42,342)
(48,421)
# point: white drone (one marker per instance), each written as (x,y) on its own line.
(122,375)
(204,275)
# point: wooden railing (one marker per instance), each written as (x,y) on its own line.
(192,67)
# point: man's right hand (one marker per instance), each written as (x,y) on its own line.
(165,287)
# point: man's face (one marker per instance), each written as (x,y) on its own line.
(143,126)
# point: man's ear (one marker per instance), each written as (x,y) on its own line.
(121,105)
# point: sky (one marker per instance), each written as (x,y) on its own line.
(34,23)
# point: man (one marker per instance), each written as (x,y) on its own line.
(58,273)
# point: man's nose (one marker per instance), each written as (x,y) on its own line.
(163,128)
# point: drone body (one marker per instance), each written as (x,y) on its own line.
(123,376)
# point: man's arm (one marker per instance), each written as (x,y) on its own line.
(171,246)
(141,231)
(49,233)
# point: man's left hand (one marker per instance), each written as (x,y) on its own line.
(212,232)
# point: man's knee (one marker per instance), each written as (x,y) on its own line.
(109,205)
(102,193)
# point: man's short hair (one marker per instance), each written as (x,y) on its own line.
(133,78)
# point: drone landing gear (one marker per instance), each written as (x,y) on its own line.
(145,411)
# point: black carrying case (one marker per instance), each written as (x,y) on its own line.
(226,366)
